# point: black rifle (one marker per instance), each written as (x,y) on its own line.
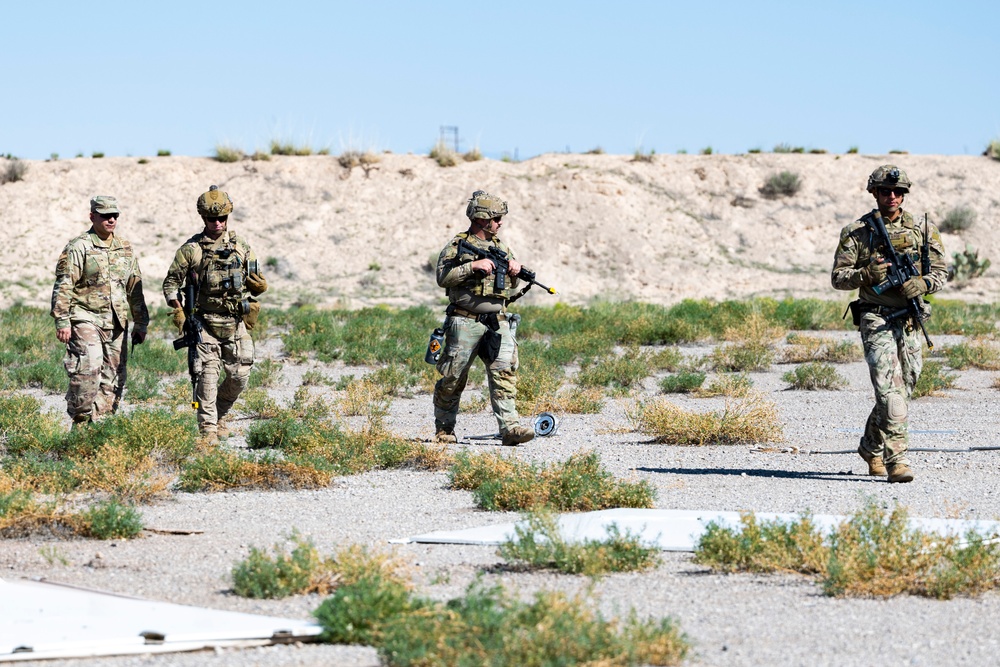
(501,262)
(901,269)
(191,337)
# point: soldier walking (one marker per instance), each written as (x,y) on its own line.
(227,281)
(98,287)
(889,333)
(478,324)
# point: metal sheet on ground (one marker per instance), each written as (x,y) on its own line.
(672,530)
(41,620)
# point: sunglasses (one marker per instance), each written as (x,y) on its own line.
(216,218)
(885,192)
(498,218)
(109,216)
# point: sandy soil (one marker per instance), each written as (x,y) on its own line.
(593,226)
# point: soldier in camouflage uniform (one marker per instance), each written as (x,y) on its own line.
(475,308)
(228,280)
(889,335)
(98,286)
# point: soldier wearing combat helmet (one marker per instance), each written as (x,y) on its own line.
(98,287)
(477,323)
(889,334)
(227,281)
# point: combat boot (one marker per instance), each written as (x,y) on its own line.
(900,472)
(516,435)
(445,437)
(876,468)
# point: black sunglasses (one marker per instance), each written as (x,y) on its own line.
(885,192)
(109,216)
(498,218)
(216,218)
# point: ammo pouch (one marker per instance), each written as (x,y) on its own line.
(220,327)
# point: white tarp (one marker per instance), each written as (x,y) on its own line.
(40,620)
(671,530)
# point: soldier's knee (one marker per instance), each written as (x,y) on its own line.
(896,408)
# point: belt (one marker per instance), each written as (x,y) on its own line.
(462,312)
(886,312)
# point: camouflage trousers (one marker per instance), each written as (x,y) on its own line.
(462,339)
(895,356)
(226,346)
(95,362)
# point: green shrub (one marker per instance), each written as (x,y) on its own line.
(162,153)
(97,155)
(745,357)
(769,546)
(853,150)
(966,266)
(958,219)
(981,354)
(538,544)
(14,171)
(490,627)
(618,372)
(682,383)
(993,149)
(499,483)
(933,378)
(111,520)
(814,375)
(262,576)
(783,184)
(288,148)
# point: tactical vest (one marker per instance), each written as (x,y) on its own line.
(904,236)
(476,284)
(220,277)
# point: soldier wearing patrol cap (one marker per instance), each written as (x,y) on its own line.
(477,323)
(227,280)
(98,288)
(889,334)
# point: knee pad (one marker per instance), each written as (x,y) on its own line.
(896,408)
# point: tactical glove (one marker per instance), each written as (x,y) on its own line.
(914,287)
(250,319)
(256,284)
(874,273)
(177,317)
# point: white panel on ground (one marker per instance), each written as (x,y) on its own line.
(672,530)
(40,620)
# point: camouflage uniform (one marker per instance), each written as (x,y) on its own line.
(98,287)
(892,345)
(471,295)
(223,300)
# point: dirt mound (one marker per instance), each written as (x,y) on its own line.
(593,226)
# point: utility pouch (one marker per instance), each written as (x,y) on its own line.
(489,345)
(855,308)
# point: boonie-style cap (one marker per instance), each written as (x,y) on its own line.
(104,204)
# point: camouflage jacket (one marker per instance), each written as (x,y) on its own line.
(98,282)
(221,266)
(854,252)
(465,288)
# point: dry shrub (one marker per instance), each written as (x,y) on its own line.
(754,328)
(125,472)
(365,398)
(22,515)
(444,156)
(752,420)
(814,348)
(735,385)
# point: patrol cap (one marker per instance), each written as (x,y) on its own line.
(103,204)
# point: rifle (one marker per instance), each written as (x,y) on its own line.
(501,262)
(191,337)
(901,269)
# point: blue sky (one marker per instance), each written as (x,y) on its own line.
(516,78)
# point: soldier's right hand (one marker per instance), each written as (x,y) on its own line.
(177,317)
(875,272)
(64,334)
(484,265)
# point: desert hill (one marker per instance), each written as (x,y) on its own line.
(593,226)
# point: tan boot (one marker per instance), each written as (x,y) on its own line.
(444,437)
(517,435)
(876,468)
(900,472)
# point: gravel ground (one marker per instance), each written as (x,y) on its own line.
(731,620)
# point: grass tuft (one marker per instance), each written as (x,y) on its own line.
(782,184)
(814,375)
(752,420)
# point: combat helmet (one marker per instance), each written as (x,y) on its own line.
(483,206)
(888,176)
(214,203)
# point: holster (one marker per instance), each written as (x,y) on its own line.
(489,345)
(856,312)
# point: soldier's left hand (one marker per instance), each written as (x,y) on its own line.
(256,284)
(513,267)
(138,336)
(914,287)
